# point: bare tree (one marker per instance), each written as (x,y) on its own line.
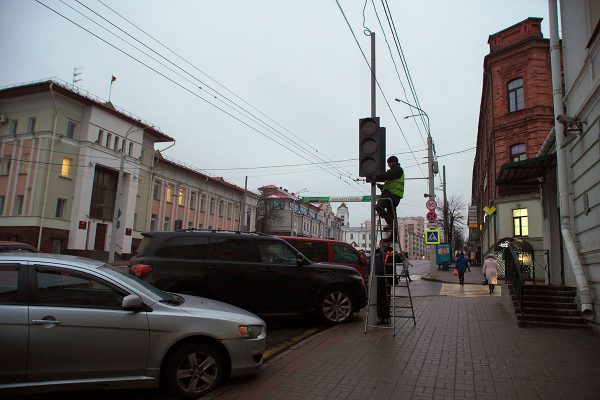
(265,212)
(454,220)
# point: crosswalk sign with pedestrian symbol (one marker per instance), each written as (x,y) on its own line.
(432,236)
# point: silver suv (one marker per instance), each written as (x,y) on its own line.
(69,321)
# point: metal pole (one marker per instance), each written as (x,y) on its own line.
(446,238)
(243,209)
(373,300)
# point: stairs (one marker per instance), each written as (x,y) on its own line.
(550,307)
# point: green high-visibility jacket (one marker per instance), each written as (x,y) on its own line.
(395,186)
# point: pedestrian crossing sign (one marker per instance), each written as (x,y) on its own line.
(432,236)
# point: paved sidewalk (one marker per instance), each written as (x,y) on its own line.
(461,348)
(473,277)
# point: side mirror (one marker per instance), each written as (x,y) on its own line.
(299,259)
(133,303)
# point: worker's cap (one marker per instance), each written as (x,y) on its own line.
(392,159)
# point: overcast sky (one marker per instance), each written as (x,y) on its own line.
(294,66)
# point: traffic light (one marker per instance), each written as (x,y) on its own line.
(371,147)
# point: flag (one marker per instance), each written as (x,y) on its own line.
(114,78)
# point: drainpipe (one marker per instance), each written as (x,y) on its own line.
(39,243)
(585,294)
(545,149)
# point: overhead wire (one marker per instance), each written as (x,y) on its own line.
(335,174)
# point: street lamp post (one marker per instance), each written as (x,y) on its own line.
(432,254)
(119,198)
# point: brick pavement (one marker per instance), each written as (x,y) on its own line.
(461,348)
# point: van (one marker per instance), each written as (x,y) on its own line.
(329,251)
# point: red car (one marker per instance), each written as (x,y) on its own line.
(16,246)
(329,251)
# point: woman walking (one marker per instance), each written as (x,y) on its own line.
(461,266)
(490,271)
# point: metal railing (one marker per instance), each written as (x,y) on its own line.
(514,275)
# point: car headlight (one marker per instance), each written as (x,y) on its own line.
(251,331)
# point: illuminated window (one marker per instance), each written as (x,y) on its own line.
(180,197)
(518,152)
(520,222)
(169,194)
(65,170)
(516,99)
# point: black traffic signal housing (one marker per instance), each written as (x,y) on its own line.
(371,147)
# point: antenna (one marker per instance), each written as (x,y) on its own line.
(76,73)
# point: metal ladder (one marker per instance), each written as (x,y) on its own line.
(384,286)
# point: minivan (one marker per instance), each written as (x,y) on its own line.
(329,251)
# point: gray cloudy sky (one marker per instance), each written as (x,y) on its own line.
(293,64)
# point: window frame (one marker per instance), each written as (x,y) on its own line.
(65,168)
(71,128)
(61,206)
(515,94)
(516,156)
(518,225)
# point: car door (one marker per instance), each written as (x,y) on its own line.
(346,255)
(78,329)
(14,325)
(235,260)
(283,286)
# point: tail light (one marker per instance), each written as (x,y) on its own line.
(140,270)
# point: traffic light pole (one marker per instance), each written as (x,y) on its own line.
(372,320)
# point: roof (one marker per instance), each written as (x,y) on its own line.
(526,170)
(84,97)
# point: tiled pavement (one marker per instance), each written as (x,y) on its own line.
(461,348)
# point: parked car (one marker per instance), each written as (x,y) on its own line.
(74,323)
(17,246)
(257,272)
(329,251)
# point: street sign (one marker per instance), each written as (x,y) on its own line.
(432,236)
(431,205)
(431,216)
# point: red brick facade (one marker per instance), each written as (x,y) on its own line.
(518,52)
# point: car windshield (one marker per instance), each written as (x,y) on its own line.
(139,285)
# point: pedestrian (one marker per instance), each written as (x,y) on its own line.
(490,271)
(461,267)
(392,189)
(383,301)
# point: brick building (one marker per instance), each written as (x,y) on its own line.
(516,115)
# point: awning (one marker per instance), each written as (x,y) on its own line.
(526,170)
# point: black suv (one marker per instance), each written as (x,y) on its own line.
(257,272)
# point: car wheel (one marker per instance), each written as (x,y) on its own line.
(335,306)
(195,369)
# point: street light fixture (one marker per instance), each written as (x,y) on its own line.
(432,252)
(119,198)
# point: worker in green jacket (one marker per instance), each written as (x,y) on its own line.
(392,188)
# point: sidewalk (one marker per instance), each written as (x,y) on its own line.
(461,348)
(473,277)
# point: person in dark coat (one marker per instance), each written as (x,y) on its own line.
(461,266)
(393,188)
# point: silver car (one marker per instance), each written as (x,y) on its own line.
(78,323)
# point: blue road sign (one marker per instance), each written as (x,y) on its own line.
(432,236)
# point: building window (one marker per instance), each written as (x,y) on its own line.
(25,161)
(100,136)
(18,210)
(192,199)
(2,201)
(520,222)
(169,194)
(202,202)
(130,149)
(60,208)
(4,166)
(228,210)
(220,208)
(166,224)
(31,125)
(108,140)
(156,190)
(153,222)
(13,126)
(516,99)
(116,144)
(65,170)
(351,236)
(518,152)
(180,197)
(71,129)
(211,206)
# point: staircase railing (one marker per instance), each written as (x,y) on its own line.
(514,275)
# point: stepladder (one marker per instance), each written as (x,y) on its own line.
(389,296)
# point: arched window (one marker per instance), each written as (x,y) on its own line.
(516,99)
(518,152)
